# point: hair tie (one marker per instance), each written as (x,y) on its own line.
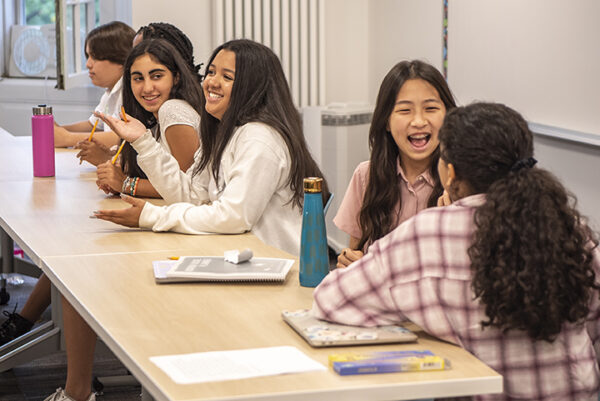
(528,162)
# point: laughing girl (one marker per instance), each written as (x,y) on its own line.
(401,178)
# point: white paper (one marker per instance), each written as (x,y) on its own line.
(232,365)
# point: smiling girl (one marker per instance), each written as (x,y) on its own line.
(162,92)
(401,179)
(249,173)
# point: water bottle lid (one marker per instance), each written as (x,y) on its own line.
(313,184)
(42,109)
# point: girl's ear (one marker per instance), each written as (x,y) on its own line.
(176,79)
(451,175)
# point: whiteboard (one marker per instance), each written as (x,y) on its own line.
(540,57)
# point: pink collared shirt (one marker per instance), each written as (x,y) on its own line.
(414,198)
(421,272)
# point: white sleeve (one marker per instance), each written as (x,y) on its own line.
(253,170)
(100,108)
(165,175)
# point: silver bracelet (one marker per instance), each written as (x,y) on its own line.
(126,185)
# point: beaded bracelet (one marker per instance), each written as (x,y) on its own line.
(137,180)
(126,185)
(131,186)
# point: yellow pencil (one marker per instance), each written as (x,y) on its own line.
(94,129)
(173,257)
(118,151)
(123,113)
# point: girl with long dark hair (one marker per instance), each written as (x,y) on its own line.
(95,152)
(401,177)
(160,90)
(509,270)
(248,175)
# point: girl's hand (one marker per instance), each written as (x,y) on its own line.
(130,130)
(110,177)
(93,152)
(444,200)
(348,256)
(129,217)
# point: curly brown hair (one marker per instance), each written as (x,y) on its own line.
(382,195)
(531,254)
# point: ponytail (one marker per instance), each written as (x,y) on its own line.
(531,255)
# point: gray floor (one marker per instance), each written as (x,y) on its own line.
(37,379)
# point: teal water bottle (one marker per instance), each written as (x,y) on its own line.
(314,258)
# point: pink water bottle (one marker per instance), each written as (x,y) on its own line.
(42,138)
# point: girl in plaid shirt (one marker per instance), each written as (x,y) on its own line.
(509,270)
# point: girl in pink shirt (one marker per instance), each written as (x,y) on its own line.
(401,178)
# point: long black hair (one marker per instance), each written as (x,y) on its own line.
(382,194)
(531,253)
(185,86)
(260,93)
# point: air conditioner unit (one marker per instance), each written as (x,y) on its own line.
(32,51)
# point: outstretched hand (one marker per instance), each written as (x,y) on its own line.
(130,130)
(129,217)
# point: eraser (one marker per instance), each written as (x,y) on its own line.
(236,256)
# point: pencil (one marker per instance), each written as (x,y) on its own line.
(94,129)
(118,151)
(123,113)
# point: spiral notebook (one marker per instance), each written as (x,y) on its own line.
(215,268)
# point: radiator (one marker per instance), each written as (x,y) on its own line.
(294,29)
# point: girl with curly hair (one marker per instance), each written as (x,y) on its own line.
(509,270)
(401,177)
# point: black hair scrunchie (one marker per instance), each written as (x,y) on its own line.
(523,163)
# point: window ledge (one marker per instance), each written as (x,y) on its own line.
(33,90)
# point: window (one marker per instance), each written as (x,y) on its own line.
(28,30)
(29,36)
(75,18)
(38,12)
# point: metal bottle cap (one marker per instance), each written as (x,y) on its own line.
(313,184)
(42,109)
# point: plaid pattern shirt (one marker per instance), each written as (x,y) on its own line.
(421,272)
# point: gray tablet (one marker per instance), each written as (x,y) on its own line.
(319,333)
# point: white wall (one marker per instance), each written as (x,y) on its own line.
(19,96)
(401,30)
(538,56)
(576,165)
(346,50)
(365,39)
(191,16)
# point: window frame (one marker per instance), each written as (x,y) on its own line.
(64,79)
(12,12)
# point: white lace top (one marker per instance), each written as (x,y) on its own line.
(176,112)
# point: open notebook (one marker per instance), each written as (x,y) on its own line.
(215,268)
(319,333)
